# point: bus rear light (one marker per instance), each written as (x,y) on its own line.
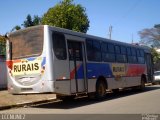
(42,71)
(43,68)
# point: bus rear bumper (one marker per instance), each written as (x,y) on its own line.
(42,87)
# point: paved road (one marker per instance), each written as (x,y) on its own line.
(126,102)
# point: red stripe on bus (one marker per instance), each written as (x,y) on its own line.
(72,73)
(9,63)
(134,70)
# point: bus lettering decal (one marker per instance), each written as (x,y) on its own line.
(15,68)
(28,67)
(36,66)
(24,67)
(19,68)
(118,69)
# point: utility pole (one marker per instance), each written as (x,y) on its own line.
(132,39)
(110,32)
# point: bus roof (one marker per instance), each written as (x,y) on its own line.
(84,35)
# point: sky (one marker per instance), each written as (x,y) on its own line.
(127,17)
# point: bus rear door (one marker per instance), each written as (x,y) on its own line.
(77,66)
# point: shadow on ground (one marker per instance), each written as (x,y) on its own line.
(86,101)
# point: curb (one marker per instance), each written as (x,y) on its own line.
(27,103)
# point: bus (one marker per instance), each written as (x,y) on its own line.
(46,59)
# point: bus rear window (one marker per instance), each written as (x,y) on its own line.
(27,43)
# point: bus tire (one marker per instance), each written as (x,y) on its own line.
(142,86)
(100,90)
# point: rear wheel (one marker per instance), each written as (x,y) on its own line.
(100,90)
(142,86)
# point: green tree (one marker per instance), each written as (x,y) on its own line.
(28,22)
(156,55)
(2,45)
(17,27)
(67,15)
(36,20)
(31,21)
(156,59)
(157,26)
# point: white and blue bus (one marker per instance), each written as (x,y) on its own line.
(44,59)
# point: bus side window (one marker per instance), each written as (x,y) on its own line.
(93,50)
(120,54)
(104,49)
(132,56)
(117,49)
(97,51)
(59,45)
(140,56)
(124,52)
(111,48)
(110,56)
(89,49)
(129,56)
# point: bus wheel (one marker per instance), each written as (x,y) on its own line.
(142,86)
(100,90)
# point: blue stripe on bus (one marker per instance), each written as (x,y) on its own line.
(31,58)
(34,58)
(95,70)
(98,69)
(44,61)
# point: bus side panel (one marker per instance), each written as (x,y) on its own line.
(129,77)
(62,87)
(94,70)
(92,85)
(62,77)
(133,81)
(134,73)
(114,83)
